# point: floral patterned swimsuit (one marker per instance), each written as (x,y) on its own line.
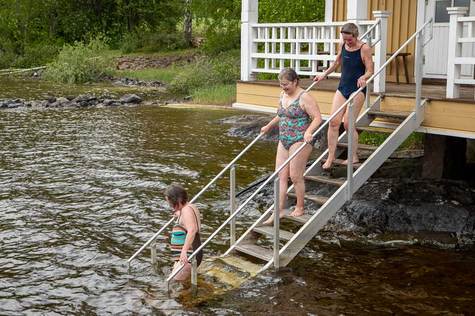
(293,122)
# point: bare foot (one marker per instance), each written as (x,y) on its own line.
(328,164)
(270,220)
(298,211)
(355,160)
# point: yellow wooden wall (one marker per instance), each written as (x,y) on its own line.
(401,25)
(451,116)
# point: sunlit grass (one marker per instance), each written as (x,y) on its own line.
(224,94)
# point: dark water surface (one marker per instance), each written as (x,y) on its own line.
(80,191)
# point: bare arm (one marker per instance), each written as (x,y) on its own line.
(312,109)
(332,67)
(366,56)
(191,226)
(269,125)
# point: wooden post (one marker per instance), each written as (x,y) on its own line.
(454,50)
(379,85)
(249,16)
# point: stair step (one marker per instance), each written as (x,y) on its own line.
(255,251)
(360,146)
(392,115)
(374,129)
(340,162)
(300,219)
(326,180)
(269,231)
(315,198)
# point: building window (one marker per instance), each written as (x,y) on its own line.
(441,14)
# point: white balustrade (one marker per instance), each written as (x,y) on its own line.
(461,51)
(309,48)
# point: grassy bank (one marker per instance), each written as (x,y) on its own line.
(205,80)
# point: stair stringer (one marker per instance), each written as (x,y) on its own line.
(339,198)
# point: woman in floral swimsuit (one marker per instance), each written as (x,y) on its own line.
(298,117)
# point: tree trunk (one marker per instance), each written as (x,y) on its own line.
(188,24)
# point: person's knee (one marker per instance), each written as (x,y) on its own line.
(346,125)
(334,124)
(296,178)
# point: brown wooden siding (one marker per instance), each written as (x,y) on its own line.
(401,25)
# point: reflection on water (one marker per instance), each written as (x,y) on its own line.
(80,191)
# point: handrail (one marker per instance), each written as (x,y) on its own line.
(316,24)
(350,99)
(196,196)
(368,32)
(325,152)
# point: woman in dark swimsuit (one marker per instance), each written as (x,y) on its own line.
(357,66)
(298,116)
(188,218)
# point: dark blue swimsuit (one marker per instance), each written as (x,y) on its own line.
(352,67)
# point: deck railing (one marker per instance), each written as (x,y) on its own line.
(461,40)
(309,48)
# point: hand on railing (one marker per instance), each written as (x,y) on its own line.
(265,129)
(319,78)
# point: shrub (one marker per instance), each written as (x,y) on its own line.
(81,63)
(130,42)
(222,69)
(37,55)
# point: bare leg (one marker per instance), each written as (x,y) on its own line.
(358,104)
(281,157)
(297,169)
(333,128)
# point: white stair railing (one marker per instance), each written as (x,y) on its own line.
(152,240)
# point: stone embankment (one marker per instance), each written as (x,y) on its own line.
(85,100)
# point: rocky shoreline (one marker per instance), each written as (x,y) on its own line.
(81,101)
(394,205)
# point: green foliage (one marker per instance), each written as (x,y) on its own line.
(165,75)
(414,141)
(80,63)
(217,94)
(221,69)
(281,11)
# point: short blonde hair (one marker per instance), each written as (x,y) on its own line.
(350,28)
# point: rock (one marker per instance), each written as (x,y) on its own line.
(108,102)
(62,101)
(131,98)
(51,99)
(400,206)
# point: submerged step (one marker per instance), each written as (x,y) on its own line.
(319,199)
(326,180)
(269,231)
(255,251)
